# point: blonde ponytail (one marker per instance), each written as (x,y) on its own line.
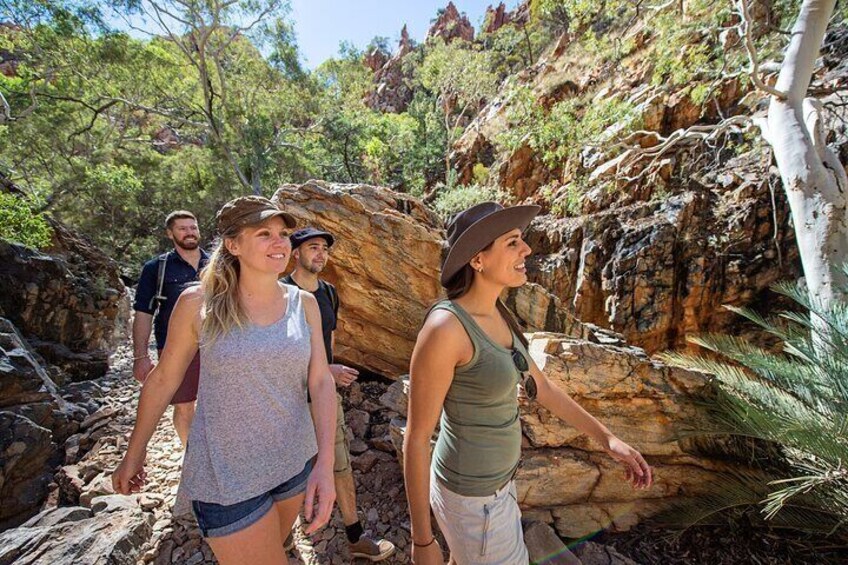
(221,311)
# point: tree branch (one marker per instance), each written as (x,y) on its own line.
(691,136)
(747,35)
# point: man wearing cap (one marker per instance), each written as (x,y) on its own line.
(162,280)
(310,250)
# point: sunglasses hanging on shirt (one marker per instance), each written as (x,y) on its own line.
(528,383)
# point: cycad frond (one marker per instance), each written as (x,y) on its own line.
(796,399)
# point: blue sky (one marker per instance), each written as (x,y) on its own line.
(322,24)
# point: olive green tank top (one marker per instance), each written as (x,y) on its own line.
(479,444)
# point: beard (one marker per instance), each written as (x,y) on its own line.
(187,244)
(313,267)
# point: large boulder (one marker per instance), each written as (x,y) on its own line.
(69,301)
(108,534)
(385,264)
(565,479)
(25,470)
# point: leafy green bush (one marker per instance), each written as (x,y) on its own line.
(796,399)
(453,200)
(20,224)
(480,173)
(562,133)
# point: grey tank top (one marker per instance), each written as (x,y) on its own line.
(253,429)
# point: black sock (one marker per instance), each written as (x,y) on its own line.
(354,532)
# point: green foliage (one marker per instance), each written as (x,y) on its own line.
(459,71)
(458,198)
(514,47)
(358,144)
(687,49)
(561,134)
(562,16)
(457,76)
(480,173)
(20,224)
(798,399)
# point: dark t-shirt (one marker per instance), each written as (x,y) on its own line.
(329,311)
(178,276)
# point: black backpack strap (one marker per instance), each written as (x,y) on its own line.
(334,297)
(159,298)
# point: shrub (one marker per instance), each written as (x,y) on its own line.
(20,224)
(458,198)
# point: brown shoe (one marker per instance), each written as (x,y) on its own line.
(366,548)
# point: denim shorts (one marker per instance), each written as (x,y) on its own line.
(216,520)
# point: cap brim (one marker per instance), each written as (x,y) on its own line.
(289,220)
(483,232)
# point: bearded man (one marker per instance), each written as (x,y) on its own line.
(162,280)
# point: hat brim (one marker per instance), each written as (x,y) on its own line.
(483,232)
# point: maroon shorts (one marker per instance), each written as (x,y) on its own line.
(188,389)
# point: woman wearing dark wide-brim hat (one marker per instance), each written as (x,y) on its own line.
(468,362)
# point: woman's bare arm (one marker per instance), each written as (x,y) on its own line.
(160,386)
(442,345)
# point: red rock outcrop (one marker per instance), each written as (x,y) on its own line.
(451,25)
(661,270)
(392,92)
(495,18)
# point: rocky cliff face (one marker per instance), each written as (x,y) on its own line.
(392,92)
(650,249)
(61,313)
(35,422)
(658,271)
(69,302)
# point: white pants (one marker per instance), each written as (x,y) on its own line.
(480,530)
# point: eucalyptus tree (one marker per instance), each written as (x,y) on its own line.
(249,88)
(460,76)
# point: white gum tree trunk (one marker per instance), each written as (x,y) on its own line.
(814,180)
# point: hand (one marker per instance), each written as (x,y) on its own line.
(130,475)
(319,484)
(636,469)
(142,367)
(343,375)
(430,555)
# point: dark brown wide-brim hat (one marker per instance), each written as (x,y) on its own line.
(249,211)
(470,231)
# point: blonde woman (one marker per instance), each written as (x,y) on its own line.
(468,361)
(254,457)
